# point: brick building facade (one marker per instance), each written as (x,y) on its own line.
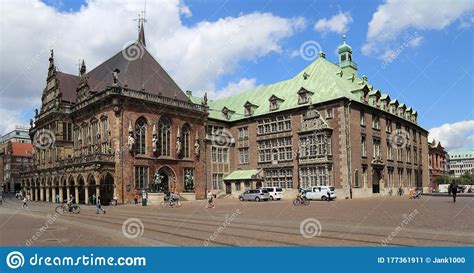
(121,128)
(126,126)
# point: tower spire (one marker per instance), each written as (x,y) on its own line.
(141,31)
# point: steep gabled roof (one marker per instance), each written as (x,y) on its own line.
(138,70)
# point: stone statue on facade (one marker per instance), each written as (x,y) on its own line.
(196,148)
(154,140)
(131,141)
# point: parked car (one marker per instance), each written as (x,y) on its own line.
(255,195)
(321,193)
(275,192)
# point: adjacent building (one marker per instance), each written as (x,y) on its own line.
(16,156)
(438,162)
(19,135)
(461,162)
(126,126)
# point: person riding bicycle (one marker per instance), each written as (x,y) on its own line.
(301,194)
(70,202)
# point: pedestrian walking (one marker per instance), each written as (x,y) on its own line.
(135,198)
(94,199)
(24,202)
(210,199)
(57,198)
(98,206)
(329,195)
(454,189)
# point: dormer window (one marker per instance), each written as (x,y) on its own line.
(304,96)
(275,102)
(249,108)
(227,113)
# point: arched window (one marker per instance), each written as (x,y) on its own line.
(165,137)
(140,135)
(186,139)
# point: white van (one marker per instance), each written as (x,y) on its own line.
(321,193)
(275,193)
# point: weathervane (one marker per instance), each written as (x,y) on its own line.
(141,17)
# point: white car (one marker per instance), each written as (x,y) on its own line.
(321,193)
(275,192)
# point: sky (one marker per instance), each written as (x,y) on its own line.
(419,52)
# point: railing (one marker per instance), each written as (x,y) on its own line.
(83,159)
(138,94)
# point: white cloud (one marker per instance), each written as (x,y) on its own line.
(233,88)
(397,16)
(195,56)
(339,23)
(454,136)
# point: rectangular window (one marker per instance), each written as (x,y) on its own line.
(282,178)
(376,123)
(389,126)
(408,156)
(389,150)
(243,133)
(364,147)
(237,186)
(141,177)
(376,152)
(244,155)
(217,181)
(362,118)
(277,149)
(220,154)
(329,113)
(274,124)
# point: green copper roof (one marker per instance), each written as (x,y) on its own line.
(324,80)
(242,174)
(344,48)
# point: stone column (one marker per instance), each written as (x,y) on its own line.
(86,195)
(36,194)
(76,194)
(41,193)
(48,194)
(61,197)
(97,192)
(68,193)
(54,195)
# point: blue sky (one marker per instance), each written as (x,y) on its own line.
(435,75)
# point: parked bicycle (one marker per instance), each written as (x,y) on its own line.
(301,201)
(74,208)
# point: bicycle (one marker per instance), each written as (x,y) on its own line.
(61,209)
(300,201)
(170,203)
